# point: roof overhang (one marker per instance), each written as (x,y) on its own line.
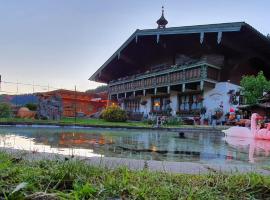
(184,30)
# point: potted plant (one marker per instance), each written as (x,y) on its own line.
(143,103)
(169,110)
(168,101)
(231,92)
(205,120)
(203,110)
(218,113)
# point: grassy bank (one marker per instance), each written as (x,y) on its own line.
(93,122)
(79,121)
(20,179)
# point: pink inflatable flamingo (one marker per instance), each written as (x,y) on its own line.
(255,147)
(253,132)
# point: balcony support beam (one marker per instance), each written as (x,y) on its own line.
(219,37)
(168,89)
(201,85)
(201,37)
(183,87)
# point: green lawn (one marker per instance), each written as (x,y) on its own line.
(79,121)
(20,179)
(94,122)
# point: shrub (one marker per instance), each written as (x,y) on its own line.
(253,87)
(31,106)
(5,110)
(174,121)
(114,114)
(150,121)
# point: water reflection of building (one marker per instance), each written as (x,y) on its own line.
(74,139)
(151,145)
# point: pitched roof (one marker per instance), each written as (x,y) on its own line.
(208,28)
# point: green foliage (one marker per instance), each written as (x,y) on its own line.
(5,110)
(174,121)
(254,86)
(102,88)
(150,121)
(75,179)
(114,113)
(31,106)
(84,191)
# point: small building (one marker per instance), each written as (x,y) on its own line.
(179,70)
(71,102)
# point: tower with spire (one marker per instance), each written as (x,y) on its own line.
(162,22)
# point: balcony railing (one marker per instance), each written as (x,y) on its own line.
(171,76)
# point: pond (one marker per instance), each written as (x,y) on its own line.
(137,144)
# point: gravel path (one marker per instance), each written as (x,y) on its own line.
(162,166)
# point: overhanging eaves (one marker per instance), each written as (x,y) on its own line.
(210,28)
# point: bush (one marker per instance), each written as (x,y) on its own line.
(31,106)
(150,121)
(253,87)
(114,114)
(174,121)
(5,110)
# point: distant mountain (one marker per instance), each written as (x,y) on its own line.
(19,100)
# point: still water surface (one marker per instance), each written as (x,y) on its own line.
(137,144)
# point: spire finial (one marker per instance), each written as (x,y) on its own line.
(162,22)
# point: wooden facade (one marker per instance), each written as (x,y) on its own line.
(184,63)
(199,72)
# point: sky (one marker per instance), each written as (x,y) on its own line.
(61,43)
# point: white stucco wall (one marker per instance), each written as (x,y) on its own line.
(213,98)
(174,102)
(146,108)
(219,95)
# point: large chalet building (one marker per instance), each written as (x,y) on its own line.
(182,69)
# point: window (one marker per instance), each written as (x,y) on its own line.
(190,102)
(161,103)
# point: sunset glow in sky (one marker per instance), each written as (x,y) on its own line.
(62,43)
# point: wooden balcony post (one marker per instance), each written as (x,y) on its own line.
(201,85)
(183,87)
(168,89)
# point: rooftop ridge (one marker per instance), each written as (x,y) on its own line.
(198,25)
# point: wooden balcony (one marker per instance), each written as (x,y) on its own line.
(174,75)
